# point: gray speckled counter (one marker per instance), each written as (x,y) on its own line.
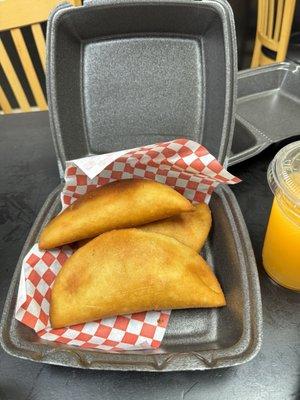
(28,174)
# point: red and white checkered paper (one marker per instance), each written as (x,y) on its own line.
(183,164)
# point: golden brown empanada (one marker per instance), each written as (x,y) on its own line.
(190,228)
(121,204)
(129,270)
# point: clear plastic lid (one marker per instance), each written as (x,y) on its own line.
(284,176)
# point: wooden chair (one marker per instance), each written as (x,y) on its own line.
(15,15)
(274,22)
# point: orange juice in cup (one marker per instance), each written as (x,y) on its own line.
(281,251)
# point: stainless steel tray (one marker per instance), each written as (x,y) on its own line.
(195,339)
(268,109)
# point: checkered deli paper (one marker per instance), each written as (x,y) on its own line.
(182,164)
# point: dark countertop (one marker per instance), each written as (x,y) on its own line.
(28,174)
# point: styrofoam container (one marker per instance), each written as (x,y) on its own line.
(268,109)
(130,73)
(127,73)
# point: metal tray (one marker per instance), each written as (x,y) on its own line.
(176,70)
(196,339)
(125,73)
(268,109)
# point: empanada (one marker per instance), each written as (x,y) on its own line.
(190,228)
(121,204)
(129,270)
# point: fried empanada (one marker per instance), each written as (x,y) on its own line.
(128,270)
(121,204)
(190,228)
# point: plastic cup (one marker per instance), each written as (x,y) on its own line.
(281,251)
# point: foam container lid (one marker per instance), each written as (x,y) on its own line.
(123,74)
